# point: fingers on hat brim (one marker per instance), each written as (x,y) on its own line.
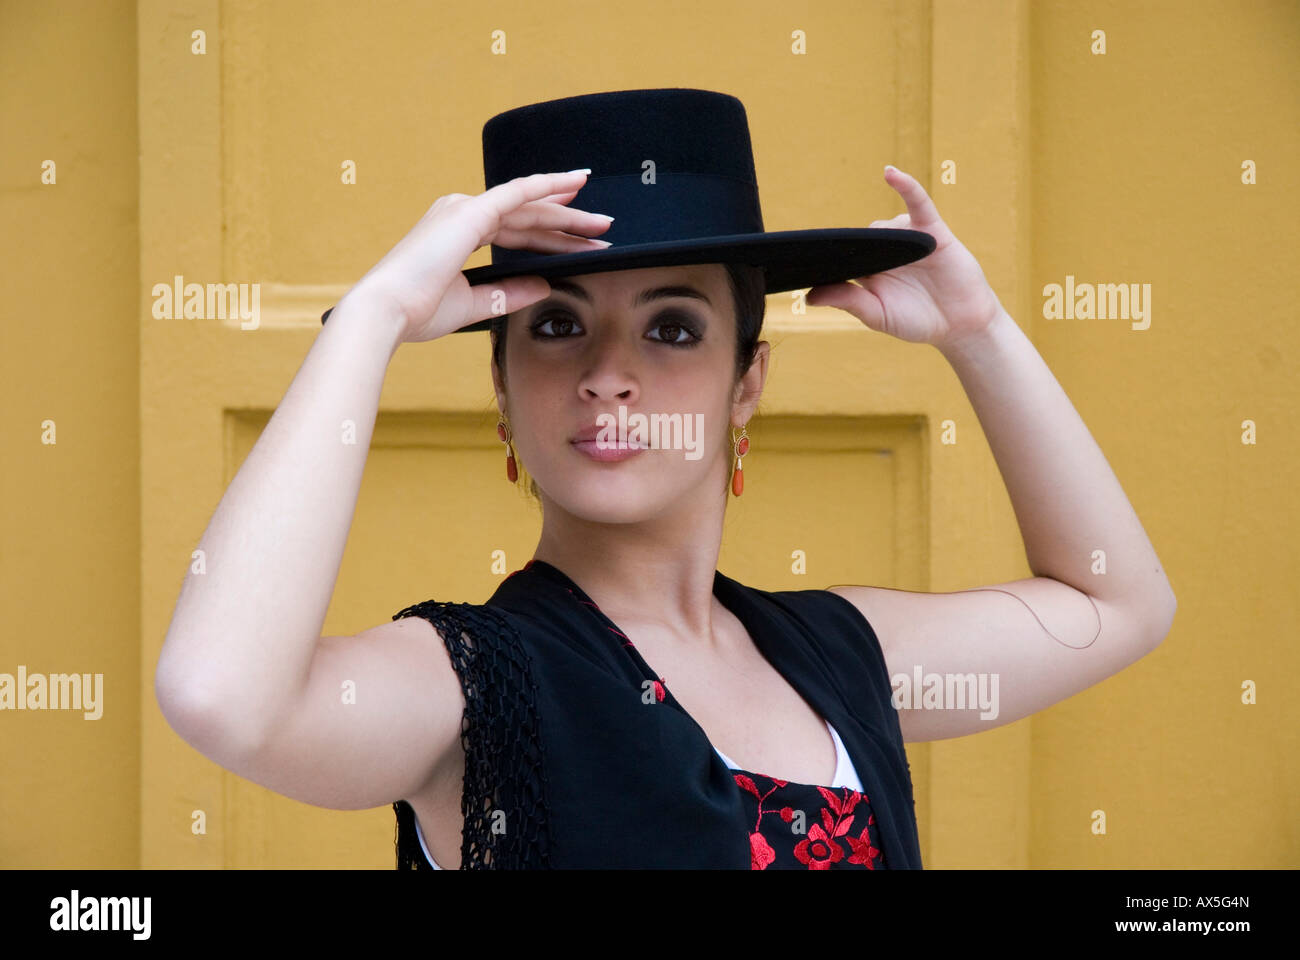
(500,297)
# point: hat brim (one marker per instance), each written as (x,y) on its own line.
(790,259)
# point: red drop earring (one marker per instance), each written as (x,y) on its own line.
(503,431)
(740,446)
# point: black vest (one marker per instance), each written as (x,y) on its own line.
(577,756)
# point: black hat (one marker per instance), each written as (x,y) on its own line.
(675,168)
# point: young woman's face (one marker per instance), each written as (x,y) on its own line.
(636,339)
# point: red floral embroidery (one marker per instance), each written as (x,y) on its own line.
(818,850)
(826,841)
(760,852)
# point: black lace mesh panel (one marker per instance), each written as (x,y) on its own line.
(504,792)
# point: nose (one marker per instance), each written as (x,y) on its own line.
(610,371)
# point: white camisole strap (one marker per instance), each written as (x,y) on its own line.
(845,774)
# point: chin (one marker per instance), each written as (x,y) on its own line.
(618,495)
(610,500)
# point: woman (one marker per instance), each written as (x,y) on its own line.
(618,701)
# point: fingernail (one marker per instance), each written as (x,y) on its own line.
(606,216)
(583,170)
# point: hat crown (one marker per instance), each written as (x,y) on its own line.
(678,129)
(668,164)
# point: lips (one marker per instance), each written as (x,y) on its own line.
(592,432)
(606,453)
(588,442)
(591,443)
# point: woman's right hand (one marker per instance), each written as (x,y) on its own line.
(421,280)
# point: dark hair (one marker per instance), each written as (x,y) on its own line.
(748,296)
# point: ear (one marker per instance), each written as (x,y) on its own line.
(750,387)
(497,384)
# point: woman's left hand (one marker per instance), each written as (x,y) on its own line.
(939,299)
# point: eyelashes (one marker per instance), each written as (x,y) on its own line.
(676,321)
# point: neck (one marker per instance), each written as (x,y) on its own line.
(650,575)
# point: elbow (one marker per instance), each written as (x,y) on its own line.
(175,703)
(178,698)
(183,709)
(187,689)
(201,717)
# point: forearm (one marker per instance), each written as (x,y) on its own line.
(246,626)
(1067,500)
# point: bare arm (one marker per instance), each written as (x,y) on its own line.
(244,632)
(1098,600)
(1033,642)
(1072,511)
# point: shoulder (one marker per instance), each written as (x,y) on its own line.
(840,603)
(519,643)
(885,610)
(473,633)
(833,617)
(858,598)
(453,614)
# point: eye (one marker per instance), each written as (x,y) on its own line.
(676,324)
(564,320)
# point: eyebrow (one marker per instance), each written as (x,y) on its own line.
(645,296)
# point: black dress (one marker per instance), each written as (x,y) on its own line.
(578,756)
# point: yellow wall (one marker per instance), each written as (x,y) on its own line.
(70,568)
(224,167)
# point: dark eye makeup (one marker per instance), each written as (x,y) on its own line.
(676,321)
